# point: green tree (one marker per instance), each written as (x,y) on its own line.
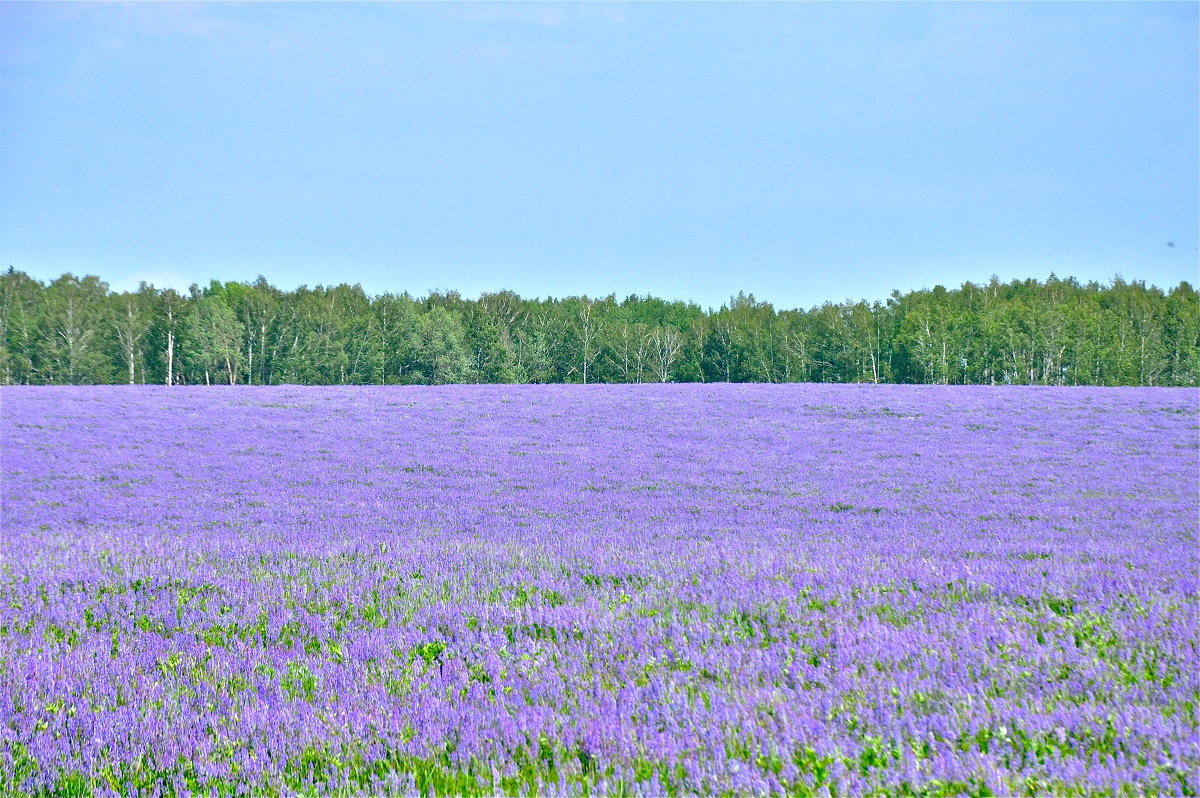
(131,317)
(20,297)
(442,351)
(212,339)
(395,356)
(73,328)
(1059,332)
(1181,323)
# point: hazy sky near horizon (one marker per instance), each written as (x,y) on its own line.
(802,152)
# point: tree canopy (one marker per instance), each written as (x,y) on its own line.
(75,330)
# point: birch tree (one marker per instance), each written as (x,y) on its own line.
(19,299)
(131,321)
(213,339)
(665,346)
(74,309)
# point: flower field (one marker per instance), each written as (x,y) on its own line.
(671,589)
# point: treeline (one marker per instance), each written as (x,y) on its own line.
(1059,332)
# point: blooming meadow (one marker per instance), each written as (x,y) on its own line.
(669,589)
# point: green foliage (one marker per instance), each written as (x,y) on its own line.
(1057,332)
(212,339)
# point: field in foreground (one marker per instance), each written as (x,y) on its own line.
(600,589)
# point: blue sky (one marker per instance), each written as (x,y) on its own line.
(802,152)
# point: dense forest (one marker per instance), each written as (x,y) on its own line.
(1058,332)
